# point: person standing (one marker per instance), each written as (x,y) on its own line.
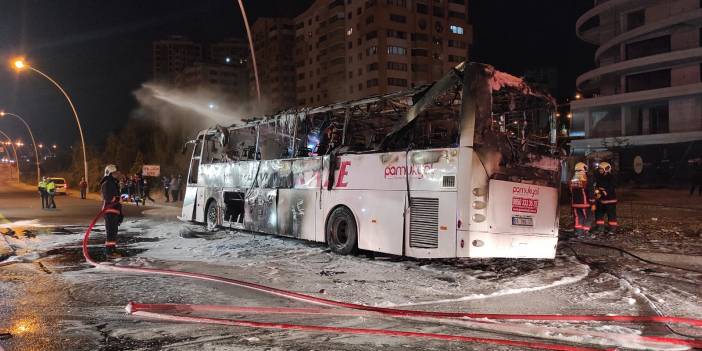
(580,200)
(51,191)
(175,188)
(166,182)
(42,193)
(83,185)
(146,192)
(606,196)
(109,190)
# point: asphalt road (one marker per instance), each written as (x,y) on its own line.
(18,203)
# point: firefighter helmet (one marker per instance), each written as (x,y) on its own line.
(110,169)
(605,167)
(580,167)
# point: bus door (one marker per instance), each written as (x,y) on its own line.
(191,190)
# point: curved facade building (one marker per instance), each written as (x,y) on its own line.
(645,95)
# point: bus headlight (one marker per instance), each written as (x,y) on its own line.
(479,191)
(478,218)
(479,205)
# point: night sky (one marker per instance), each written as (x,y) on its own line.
(100,50)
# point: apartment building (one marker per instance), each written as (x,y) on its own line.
(644,99)
(349,49)
(273,44)
(172,56)
(229,80)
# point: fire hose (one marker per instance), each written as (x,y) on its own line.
(144,310)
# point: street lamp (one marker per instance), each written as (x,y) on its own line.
(251,48)
(20,65)
(14,150)
(31,135)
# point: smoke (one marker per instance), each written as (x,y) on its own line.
(190,108)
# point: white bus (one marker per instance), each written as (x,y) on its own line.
(464,167)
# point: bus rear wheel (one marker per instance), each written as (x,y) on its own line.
(341,231)
(211,216)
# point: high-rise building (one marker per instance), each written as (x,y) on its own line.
(273,44)
(229,51)
(644,99)
(217,78)
(348,49)
(173,55)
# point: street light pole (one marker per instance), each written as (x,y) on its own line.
(19,65)
(14,150)
(251,48)
(31,135)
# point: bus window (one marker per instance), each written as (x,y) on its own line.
(242,144)
(273,143)
(194,166)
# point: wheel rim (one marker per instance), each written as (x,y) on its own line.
(341,232)
(211,217)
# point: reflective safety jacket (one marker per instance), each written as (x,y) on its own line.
(604,183)
(580,192)
(42,185)
(50,187)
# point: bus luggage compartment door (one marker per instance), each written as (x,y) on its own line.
(260,211)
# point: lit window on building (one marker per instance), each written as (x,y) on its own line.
(456,29)
(397,50)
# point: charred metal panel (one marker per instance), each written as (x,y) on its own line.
(275,174)
(228,175)
(306,172)
(260,213)
(296,213)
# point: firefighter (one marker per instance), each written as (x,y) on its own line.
(51,192)
(109,189)
(580,200)
(42,192)
(606,198)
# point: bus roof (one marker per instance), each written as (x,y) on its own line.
(498,81)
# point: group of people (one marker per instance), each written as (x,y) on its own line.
(593,195)
(47,191)
(135,188)
(172,188)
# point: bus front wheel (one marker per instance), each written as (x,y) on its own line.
(341,231)
(211,216)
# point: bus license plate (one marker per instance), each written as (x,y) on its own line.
(522,221)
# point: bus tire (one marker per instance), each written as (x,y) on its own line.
(341,231)
(211,216)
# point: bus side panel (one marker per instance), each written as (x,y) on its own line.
(201,203)
(430,230)
(378,216)
(260,214)
(187,211)
(296,213)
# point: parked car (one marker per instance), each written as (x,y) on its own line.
(61,184)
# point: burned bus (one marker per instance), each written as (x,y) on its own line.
(464,167)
